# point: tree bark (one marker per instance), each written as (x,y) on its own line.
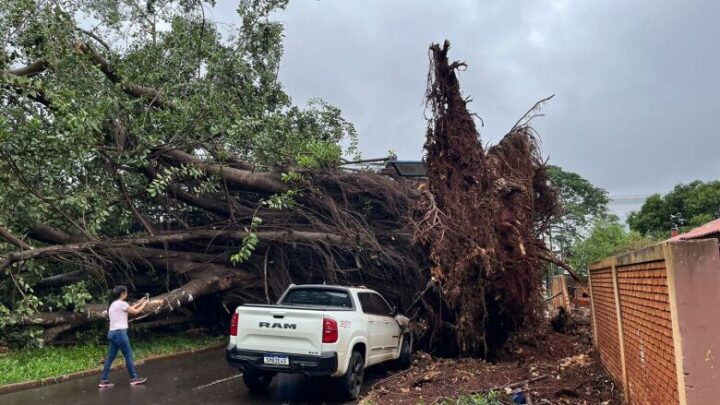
(202,285)
(243,178)
(213,206)
(183,236)
(48,234)
(8,236)
(60,279)
(32,69)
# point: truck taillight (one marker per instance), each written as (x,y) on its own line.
(330,330)
(234,325)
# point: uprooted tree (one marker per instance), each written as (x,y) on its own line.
(158,150)
(482,217)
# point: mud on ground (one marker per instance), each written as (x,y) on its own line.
(573,369)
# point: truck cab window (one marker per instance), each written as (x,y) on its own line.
(367,304)
(382,307)
(317,297)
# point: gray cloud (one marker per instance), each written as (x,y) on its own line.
(636,82)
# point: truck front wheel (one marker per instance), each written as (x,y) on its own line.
(351,383)
(257,381)
(404,361)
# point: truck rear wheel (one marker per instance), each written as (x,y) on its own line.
(351,383)
(257,381)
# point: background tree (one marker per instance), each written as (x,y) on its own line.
(692,204)
(582,204)
(607,237)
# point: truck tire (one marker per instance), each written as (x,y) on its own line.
(257,381)
(405,360)
(351,383)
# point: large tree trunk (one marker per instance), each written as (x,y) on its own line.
(203,284)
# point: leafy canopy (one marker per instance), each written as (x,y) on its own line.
(686,206)
(117,81)
(582,204)
(607,237)
(221,83)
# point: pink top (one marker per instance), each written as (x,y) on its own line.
(118,315)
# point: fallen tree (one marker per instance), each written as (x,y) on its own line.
(178,166)
(350,234)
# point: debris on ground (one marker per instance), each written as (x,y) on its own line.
(581,360)
(544,367)
(559,320)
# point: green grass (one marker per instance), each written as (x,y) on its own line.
(491,398)
(34,364)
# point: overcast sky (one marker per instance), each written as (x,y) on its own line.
(637,82)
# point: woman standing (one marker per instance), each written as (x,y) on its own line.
(118,337)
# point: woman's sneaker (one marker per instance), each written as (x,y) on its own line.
(138,381)
(105,384)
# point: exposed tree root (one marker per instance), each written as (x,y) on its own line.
(480,218)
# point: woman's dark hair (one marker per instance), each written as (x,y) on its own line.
(117,292)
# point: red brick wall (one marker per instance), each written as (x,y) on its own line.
(647,333)
(604,311)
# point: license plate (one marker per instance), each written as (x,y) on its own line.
(277,360)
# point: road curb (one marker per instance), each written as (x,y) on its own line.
(7,389)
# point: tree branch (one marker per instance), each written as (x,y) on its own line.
(30,70)
(60,279)
(48,234)
(26,71)
(549,258)
(154,96)
(175,190)
(95,37)
(184,236)
(33,190)
(242,178)
(59,322)
(8,236)
(138,215)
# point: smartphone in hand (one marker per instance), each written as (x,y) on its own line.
(147,296)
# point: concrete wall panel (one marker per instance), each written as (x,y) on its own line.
(696,279)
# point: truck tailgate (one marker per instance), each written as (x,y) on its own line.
(273,329)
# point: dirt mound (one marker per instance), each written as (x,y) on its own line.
(561,368)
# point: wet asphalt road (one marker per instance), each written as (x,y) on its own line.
(204,378)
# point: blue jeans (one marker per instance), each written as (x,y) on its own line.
(119,341)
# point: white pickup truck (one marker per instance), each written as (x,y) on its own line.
(318,330)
